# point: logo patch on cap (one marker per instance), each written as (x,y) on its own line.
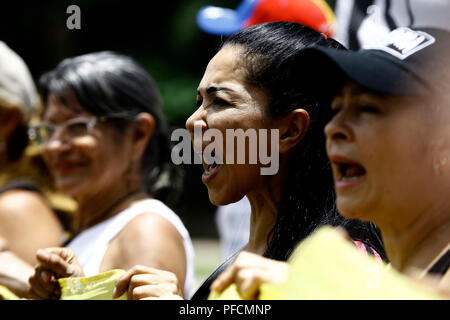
(403,42)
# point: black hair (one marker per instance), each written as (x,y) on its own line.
(116,86)
(270,54)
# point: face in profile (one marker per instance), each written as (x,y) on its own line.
(85,156)
(390,155)
(226,101)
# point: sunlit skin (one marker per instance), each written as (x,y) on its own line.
(390,159)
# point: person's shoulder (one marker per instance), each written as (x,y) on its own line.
(22,203)
(25,215)
(146,230)
(156,211)
(148,220)
(147,225)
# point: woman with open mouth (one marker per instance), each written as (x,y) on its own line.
(105,141)
(247,87)
(388,143)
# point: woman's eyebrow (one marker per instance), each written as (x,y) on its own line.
(215,89)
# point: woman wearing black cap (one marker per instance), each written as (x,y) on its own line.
(389,146)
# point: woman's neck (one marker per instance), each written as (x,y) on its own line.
(95,208)
(417,245)
(262,220)
(265,203)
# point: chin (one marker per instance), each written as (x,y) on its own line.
(222,198)
(70,188)
(353,210)
(217,201)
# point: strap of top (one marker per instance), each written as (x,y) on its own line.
(442,265)
(203,291)
(20,184)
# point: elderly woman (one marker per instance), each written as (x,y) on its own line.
(245,87)
(388,143)
(105,140)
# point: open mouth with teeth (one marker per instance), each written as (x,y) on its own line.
(210,170)
(348,173)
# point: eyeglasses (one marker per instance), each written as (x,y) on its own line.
(73,128)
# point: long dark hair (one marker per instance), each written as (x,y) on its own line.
(270,56)
(115,86)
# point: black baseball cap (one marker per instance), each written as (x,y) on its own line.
(407,61)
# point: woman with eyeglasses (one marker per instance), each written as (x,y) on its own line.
(105,140)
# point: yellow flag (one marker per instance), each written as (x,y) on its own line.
(98,287)
(6,294)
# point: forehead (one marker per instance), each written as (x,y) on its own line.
(352,90)
(63,108)
(430,112)
(225,68)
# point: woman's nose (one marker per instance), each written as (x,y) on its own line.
(196,125)
(57,142)
(195,122)
(337,129)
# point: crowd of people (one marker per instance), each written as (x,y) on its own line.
(363,146)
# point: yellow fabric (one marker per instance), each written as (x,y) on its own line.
(6,294)
(98,287)
(326,266)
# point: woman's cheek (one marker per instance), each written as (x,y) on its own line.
(86,142)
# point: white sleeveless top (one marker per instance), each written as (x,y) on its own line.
(91,244)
